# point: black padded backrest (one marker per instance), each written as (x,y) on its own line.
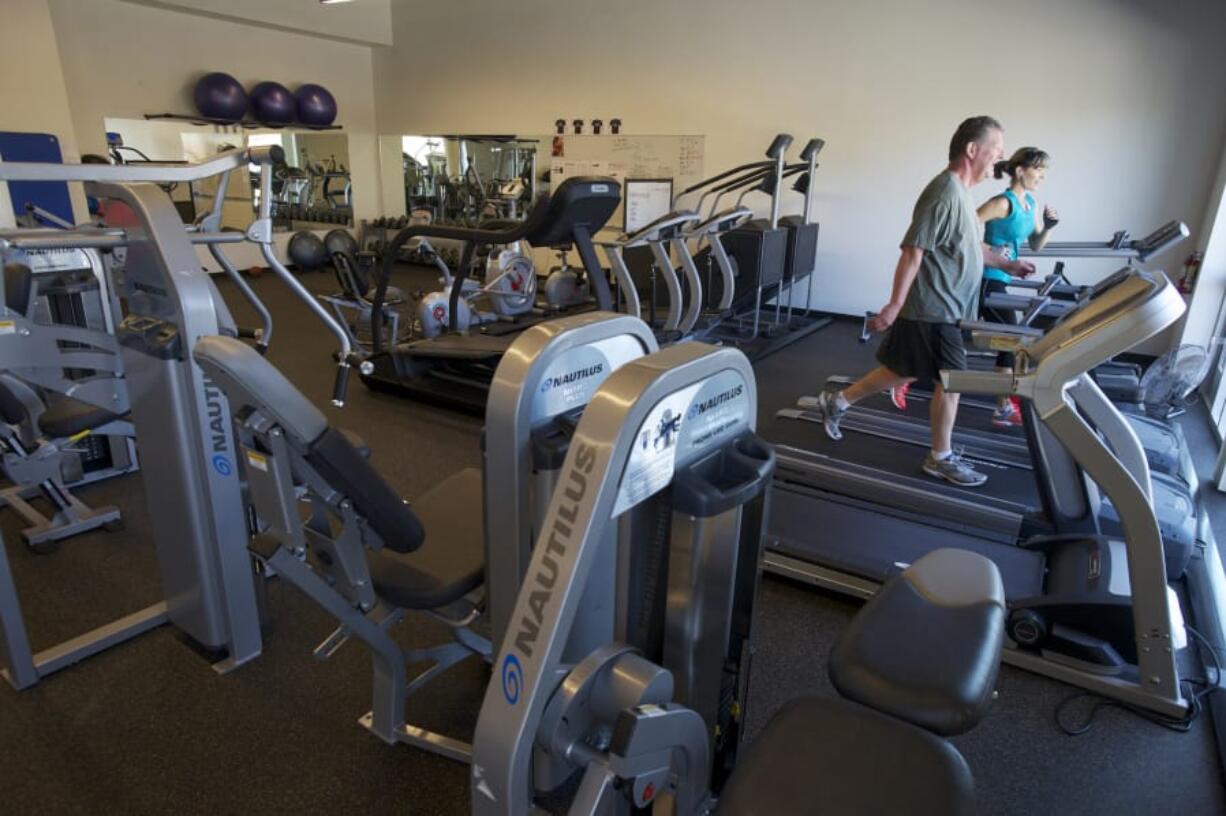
(346,469)
(250,381)
(926,648)
(18,288)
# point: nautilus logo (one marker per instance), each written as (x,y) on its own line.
(222,465)
(512,678)
(577,375)
(699,408)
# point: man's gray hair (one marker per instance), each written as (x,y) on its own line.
(974,129)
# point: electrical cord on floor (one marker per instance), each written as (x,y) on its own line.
(1197,690)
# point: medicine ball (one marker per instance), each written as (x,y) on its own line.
(306,251)
(220,96)
(339,240)
(273,104)
(316,105)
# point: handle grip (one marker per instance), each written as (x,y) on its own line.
(779,146)
(341,385)
(812,148)
(266,154)
(865,332)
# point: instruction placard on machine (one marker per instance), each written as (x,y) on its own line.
(681,423)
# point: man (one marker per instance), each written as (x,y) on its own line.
(936,284)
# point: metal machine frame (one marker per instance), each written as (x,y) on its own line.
(192,488)
(652,421)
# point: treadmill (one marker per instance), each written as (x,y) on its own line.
(1047,300)
(455,369)
(1027,468)
(1084,606)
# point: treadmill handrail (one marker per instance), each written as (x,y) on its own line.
(999,329)
(1141,249)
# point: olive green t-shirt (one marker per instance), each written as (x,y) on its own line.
(946,227)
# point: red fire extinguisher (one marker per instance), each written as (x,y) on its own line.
(1191,268)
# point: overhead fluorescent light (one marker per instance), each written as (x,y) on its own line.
(333,2)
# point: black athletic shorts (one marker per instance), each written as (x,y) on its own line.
(1004,359)
(912,348)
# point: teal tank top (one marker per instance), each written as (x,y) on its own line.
(1007,234)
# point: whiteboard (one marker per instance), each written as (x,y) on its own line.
(621,157)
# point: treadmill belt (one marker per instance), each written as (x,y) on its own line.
(1004,483)
(862,541)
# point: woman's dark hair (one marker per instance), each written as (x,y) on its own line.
(1022,157)
(974,129)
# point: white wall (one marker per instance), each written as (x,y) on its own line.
(35,99)
(122,59)
(367,21)
(1128,96)
(1205,311)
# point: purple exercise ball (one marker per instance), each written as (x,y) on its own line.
(273,104)
(316,105)
(220,96)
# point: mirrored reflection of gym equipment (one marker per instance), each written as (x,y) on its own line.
(468,179)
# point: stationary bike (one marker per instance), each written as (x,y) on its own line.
(506,291)
(565,286)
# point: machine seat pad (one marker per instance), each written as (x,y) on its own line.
(344,467)
(66,416)
(926,648)
(820,755)
(451,563)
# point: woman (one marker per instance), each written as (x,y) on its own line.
(1009,219)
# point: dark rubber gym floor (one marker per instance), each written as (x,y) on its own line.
(148,727)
